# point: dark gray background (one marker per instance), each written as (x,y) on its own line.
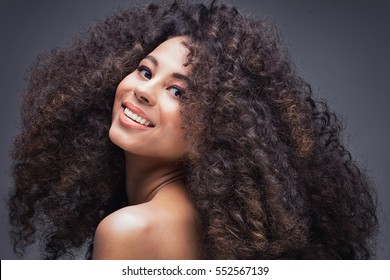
(340,47)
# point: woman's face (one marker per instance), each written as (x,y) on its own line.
(146,117)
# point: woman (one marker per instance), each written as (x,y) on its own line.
(146,124)
(183,132)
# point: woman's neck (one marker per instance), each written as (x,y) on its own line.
(146,176)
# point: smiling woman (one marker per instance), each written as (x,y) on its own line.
(147,125)
(183,132)
(151,94)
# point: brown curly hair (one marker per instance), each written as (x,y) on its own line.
(267,170)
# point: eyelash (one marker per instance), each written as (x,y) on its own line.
(180,90)
(143,68)
(140,69)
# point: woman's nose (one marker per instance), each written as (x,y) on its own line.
(145,93)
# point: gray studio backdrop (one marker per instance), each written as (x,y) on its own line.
(340,47)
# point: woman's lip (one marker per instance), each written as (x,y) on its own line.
(130,123)
(137,111)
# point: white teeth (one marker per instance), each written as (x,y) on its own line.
(136,117)
(133,116)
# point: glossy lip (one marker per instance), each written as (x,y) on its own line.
(131,123)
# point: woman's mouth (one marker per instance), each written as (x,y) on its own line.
(137,118)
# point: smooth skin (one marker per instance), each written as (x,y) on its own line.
(160,221)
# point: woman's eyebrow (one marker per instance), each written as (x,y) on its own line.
(182,77)
(152,59)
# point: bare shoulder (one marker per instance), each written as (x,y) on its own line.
(118,235)
(163,228)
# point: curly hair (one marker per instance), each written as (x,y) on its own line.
(267,171)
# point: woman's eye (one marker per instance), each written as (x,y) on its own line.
(176,92)
(145,72)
